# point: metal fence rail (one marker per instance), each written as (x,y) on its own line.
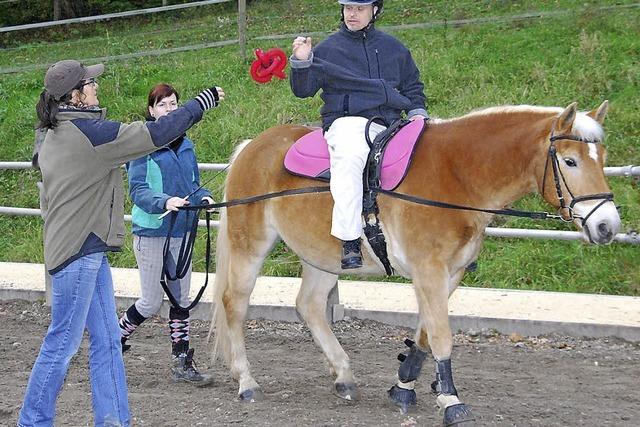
(514,233)
(624,171)
(627,171)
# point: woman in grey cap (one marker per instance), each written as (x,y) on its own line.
(79,153)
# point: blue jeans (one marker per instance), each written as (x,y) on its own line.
(81,297)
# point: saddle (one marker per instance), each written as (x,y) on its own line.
(309,155)
(387,164)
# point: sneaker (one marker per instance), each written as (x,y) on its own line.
(351,254)
(183,368)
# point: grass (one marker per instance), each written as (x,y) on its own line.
(586,56)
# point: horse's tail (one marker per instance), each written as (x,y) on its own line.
(221,282)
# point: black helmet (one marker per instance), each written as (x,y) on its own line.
(376,3)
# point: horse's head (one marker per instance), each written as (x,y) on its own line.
(573,179)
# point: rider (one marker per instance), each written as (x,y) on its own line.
(363,73)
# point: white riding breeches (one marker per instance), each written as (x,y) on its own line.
(348,151)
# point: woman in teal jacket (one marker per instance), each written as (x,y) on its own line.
(159,182)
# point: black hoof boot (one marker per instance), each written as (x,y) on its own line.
(458,415)
(346,391)
(251,395)
(402,398)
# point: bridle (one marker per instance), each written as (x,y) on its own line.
(559,179)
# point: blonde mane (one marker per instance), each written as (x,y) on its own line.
(584,126)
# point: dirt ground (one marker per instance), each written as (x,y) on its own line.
(507,381)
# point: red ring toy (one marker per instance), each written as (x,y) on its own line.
(270,63)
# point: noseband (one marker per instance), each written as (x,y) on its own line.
(559,179)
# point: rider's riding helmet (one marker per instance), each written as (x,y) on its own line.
(378,3)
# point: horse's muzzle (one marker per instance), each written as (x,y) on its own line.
(602,224)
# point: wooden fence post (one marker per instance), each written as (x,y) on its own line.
(242,28)
(56,10)
(335,310)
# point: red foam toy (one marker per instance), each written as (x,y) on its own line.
(270,63)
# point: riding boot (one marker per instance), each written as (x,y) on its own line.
(183,367)
(351,254)
(129,321)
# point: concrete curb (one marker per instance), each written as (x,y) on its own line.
(283,313)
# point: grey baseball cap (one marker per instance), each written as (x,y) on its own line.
(64,76)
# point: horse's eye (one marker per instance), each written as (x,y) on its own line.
(570,162)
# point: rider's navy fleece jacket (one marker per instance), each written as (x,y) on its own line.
(364,73)
(155,178)
(82,196)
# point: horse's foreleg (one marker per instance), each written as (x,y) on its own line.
(421,337)
(311,304)
(432,289)
(433,300)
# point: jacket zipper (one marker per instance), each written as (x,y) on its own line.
(113,196)
(366,54)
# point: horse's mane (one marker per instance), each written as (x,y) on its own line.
(583,126)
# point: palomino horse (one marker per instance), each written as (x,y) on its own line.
(486,159)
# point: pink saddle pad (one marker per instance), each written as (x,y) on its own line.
(309,155)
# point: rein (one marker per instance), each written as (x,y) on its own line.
(184,259)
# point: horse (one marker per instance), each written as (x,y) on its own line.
(485,159)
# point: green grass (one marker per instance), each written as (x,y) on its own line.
(584,56)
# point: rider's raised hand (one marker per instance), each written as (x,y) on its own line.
(302,48)
(210,98)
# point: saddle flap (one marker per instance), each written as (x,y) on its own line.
(309,156)
(397,156)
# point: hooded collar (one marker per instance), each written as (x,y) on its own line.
(72,113)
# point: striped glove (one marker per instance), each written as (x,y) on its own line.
(208,98)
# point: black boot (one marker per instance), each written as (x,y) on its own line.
(183,369)
(351,254)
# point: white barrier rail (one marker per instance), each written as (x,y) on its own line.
(624,171)
(627,171)
(632,238)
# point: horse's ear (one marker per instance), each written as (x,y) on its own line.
(599,113)
(566,118)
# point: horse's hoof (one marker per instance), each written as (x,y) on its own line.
(251,395)
(346,391)
(402,398)
(458,415)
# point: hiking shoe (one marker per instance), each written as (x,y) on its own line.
(125,346)
(351,254)
(183,369)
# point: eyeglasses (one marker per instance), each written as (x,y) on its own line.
(92,81)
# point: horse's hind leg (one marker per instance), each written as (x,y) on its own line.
(311,304)
(243,269)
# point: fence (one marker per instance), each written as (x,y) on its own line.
(242,18)
(623,171)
